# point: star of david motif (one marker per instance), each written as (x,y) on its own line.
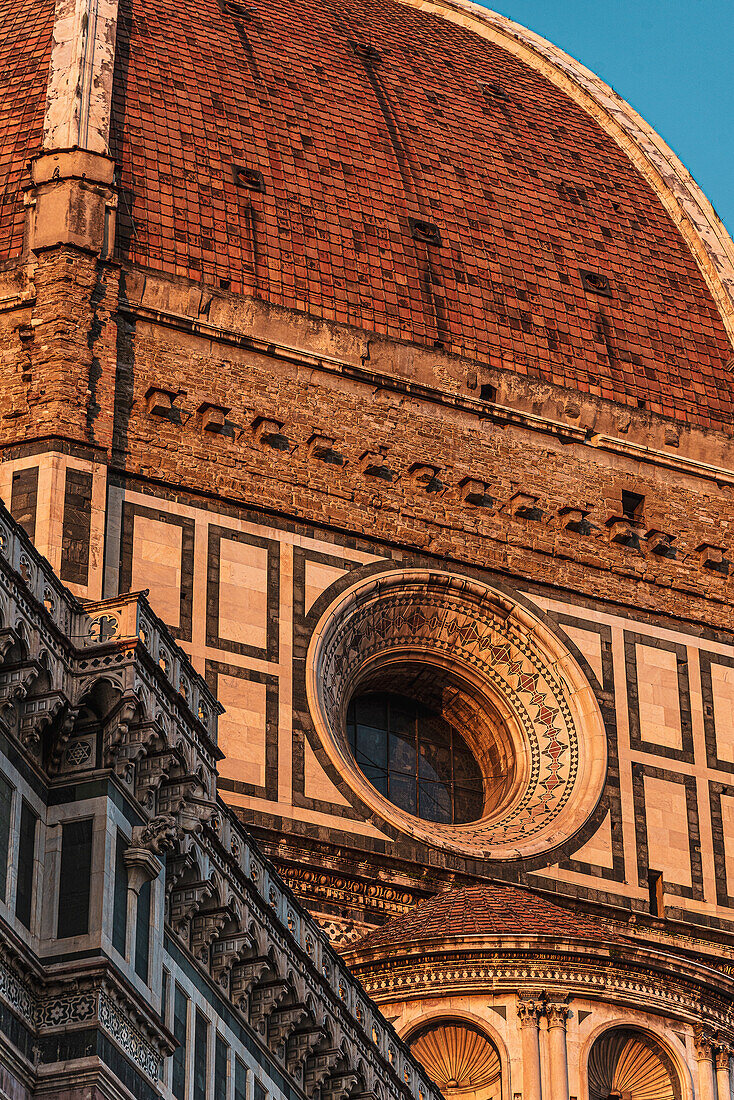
(78,753)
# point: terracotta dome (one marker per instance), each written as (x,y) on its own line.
(380,166)
(481,912)
(411,179)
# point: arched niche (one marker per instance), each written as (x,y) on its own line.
(628,1063)
(460,1057)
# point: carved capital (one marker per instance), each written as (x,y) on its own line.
(723,1054)
(142,866)
(557,1013)
(704,1046)
(529,1013)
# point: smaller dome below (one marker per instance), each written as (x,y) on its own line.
(493,909)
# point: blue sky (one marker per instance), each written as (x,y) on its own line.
(673,60)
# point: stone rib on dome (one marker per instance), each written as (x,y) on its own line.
(476,912)
(362,115)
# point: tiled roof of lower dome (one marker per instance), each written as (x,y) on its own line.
(489,910)
(366,118)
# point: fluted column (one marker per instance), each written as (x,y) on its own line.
(556,1014)
(705,1058)
(529,1013)
(722,1072)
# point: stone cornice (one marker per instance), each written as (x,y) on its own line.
(622,980)
(471,406)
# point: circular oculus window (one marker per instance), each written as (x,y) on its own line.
(455,714)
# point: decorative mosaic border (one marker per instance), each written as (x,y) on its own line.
(431,612)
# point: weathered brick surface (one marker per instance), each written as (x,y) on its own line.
(76,371)
(525,189)
(237,466)
(25,50)
(59,366)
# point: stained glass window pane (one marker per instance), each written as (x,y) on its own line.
(403,791)
(415,757)
(434,802)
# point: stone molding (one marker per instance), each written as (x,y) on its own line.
(72,201)
(633,983)
(142,866)
(46,1010)
(325,886)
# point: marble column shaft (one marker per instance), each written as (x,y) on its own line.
(556,1015)
(529,1013)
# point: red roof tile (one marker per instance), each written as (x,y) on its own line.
(478,911)
(363,114)
(25,53)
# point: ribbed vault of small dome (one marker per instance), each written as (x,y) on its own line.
(626,1063)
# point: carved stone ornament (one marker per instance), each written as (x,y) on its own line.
(529,1013)
(142,866)
(527,689)
(556,1013)
(159,835)
(723,1054)
(704,1046)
